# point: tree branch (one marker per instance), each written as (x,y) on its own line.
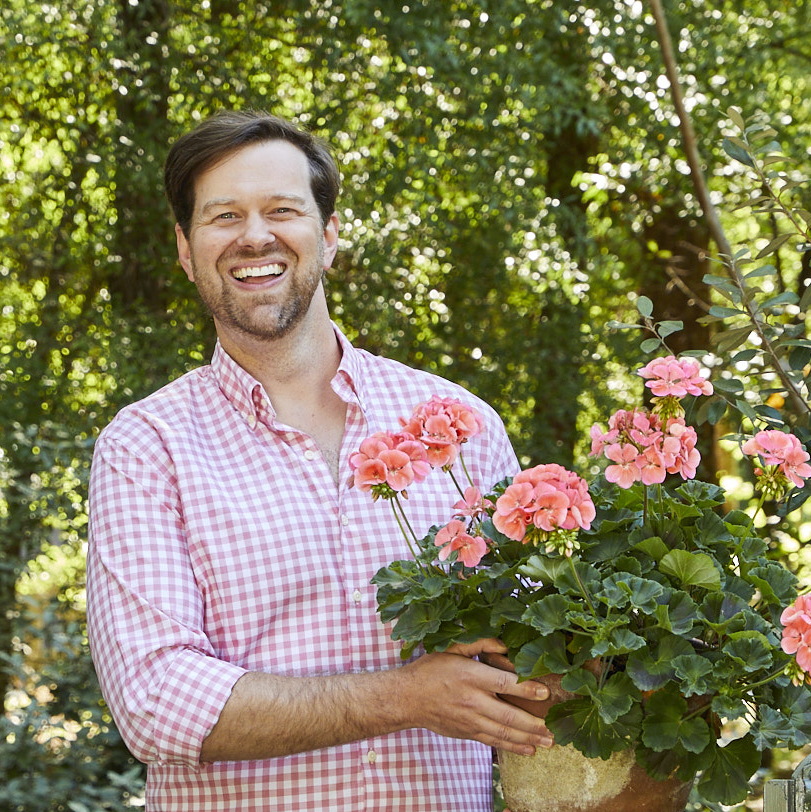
(687,133)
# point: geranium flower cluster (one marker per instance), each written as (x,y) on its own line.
(388,462)
(796,620)
(674,377)
(784,459)
(443,425)
(647,445)
(545,498)
(644,448)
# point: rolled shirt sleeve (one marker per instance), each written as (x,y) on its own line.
(157,668)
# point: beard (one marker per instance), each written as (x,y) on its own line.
(264,316)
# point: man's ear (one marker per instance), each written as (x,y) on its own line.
(330,240)
(184,252)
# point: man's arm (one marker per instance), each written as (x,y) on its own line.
(450,694)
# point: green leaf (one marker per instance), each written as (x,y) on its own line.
(666,328)
(578,722)
(664,724)
(776,583)
(677,613)
(621,589)
(692,569)
(750,650)
(772,729)
(731,386)
(693,670)
(774,245)
(421,619)
(726,778)
(652,546)
(737,153)
(645,306)
(734,114)
(650,345)
(787,297)
(724,613)
(651,668)
(619,641)
(725,312)
(763,270)
(548,614)
(542,656)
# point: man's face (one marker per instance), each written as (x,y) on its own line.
(257,249)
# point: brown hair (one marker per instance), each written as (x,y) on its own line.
(228,131)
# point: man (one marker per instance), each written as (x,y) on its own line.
(231,618)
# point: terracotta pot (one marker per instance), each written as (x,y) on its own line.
(562,779)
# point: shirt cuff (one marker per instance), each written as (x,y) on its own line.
(192,696)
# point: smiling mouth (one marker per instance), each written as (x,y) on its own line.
(273,269)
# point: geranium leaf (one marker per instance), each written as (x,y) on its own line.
(693,670)
(726,778)
(677,612)
(548,614)
(421,619)
(692,569)
(729,707)
(750,649)
(650,669)
(653,546)
(772,729)
(619,641)
(703,494)
(543,655)
(797,703)
(578,722)
(724,613)
(664,725)
(621,588)
(775,583)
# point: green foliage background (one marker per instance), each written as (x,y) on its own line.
(513,179)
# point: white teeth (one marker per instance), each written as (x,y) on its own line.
(265,270)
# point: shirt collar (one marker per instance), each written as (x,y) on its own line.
(249,398)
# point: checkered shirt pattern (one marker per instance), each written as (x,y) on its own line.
(219,544)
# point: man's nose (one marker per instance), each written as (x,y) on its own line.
(257,232)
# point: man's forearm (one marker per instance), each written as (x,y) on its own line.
(269,715)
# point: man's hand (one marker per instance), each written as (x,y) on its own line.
(456,696)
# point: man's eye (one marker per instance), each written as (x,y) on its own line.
(226,215)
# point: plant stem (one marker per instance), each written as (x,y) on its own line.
(581,586)
(453,478)
(395,505)
(764,681)
(464,468)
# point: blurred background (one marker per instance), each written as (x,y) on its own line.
(513,180)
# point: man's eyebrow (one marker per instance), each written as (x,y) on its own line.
(227,201)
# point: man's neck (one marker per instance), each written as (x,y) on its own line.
(296,371)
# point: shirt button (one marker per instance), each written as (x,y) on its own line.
(356,596)
(371,757)
(252,421)
(309,454)
(344,520)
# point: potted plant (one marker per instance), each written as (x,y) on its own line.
(679,642)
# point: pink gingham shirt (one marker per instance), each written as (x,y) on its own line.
(220,544)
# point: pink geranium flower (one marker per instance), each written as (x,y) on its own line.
(392,459)
(443,425)
(781,449)
(473,505)
(454,537)
(671,377)
(547,497)
(645,449)
(796,620)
